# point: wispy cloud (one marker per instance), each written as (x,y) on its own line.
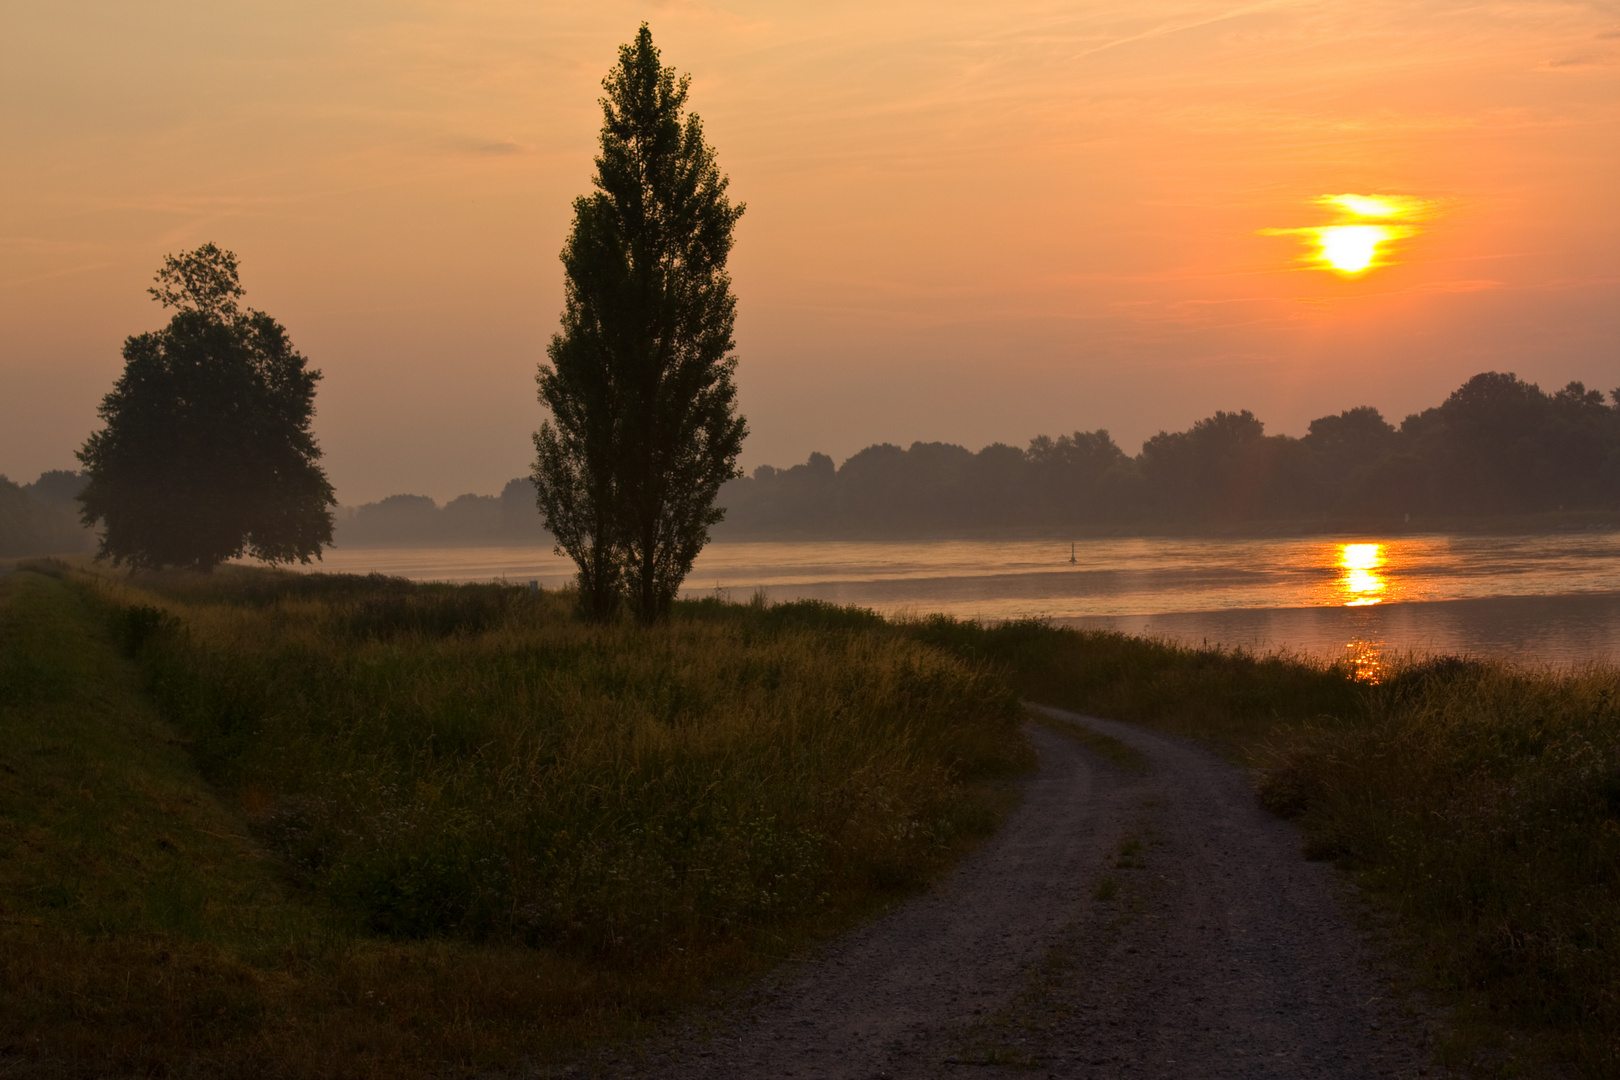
(1585,60)
(507,147)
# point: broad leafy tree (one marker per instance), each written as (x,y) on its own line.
(640,384)
(207,452)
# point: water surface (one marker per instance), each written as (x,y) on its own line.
(1537,599)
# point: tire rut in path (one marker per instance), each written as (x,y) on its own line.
(1152,923)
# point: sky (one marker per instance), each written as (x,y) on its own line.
(965,222)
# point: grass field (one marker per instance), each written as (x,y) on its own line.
(355,827)
(351,827)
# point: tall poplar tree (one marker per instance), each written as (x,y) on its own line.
(641,383)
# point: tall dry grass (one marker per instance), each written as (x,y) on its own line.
(517,828)
(1481,802)
(473,762)
(273,824)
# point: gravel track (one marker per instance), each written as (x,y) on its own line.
(1146,923)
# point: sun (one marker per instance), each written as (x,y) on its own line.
(1350,249)
(1362,239)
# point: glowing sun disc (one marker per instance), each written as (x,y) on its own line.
(1350,249)
(1361,240)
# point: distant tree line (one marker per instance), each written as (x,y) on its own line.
(509,518)
(42,518)
(1497,446)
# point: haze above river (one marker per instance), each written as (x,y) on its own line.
(1536,599)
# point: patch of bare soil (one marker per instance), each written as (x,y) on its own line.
(1124,923)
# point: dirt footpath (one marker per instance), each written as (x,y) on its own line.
(1139,923)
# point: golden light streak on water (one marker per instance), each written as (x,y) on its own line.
(1552,598)
(1361,584)
(1366,660)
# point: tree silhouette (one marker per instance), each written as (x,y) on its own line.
(640,384)
(207,451)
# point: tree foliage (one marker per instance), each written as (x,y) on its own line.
(1496,446)
(640,384)
(207,452)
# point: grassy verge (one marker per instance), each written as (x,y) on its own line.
(332,826)
(326,826)
(1482,803)
(1477,802)
(1234,699)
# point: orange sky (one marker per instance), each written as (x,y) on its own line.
(966,221)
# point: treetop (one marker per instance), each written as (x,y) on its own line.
(203,281)
(640,81)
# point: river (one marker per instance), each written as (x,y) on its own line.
(1536,599)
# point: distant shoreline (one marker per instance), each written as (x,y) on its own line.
(1514,525)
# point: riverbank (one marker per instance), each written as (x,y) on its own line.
(273,823)
(361,827)
(1055,532)
(1540,599)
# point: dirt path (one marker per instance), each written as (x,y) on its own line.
(1124,923)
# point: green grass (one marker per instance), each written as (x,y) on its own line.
(125,886)
(323,825)
(337,826)
(1481,803)
(1229,697)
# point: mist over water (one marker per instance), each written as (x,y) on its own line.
(1534,599)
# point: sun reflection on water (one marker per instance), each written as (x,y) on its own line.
(1361,584)
(1366,660)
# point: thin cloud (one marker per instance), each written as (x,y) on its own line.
(1166,31)
(487,147)
(1588,60)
